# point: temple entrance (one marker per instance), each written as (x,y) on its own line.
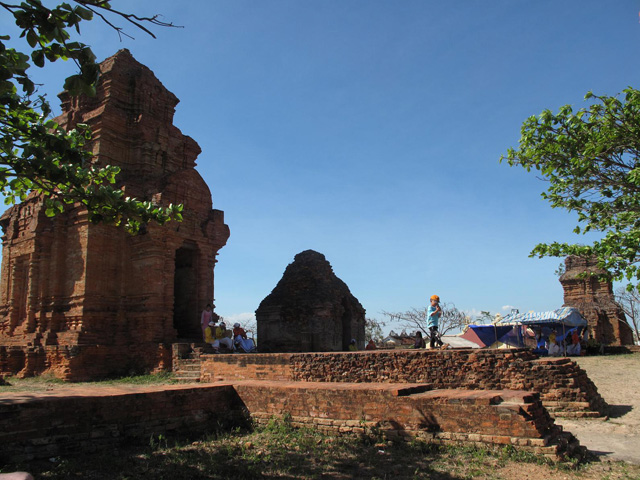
(185,293)
(346,326)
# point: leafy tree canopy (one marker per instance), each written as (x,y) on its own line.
(591,160)
(35,153)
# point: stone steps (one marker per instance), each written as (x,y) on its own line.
(187,370)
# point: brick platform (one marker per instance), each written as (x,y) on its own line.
(563,386)
(477,417)
(71,421)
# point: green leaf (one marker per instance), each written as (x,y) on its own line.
(83,13)
(38,58)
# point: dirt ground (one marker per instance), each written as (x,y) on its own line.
(616,437)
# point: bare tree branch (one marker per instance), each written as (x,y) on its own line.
(416,319)
(629,300)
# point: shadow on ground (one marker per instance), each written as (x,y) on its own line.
(245,457)
(617,411)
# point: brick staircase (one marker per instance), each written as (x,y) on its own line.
(186,362)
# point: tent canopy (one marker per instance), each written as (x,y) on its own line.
(486,335)
(567,316)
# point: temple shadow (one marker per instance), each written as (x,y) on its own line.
(279,453)
(617,411)
(596,455)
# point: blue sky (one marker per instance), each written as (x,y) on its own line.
(371,131)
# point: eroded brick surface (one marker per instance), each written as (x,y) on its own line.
(74,296)
(563,386)
(74,421)
(310,310)
(593,297)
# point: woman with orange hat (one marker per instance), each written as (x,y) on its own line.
(433,316)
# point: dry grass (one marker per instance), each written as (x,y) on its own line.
(46,383)
(279,451)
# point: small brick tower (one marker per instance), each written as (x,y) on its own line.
(84,301)
(309,310)
(593,297)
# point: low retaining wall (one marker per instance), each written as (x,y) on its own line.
(563,386)
(479,417)
(258,366)
(84,362)
(72,423)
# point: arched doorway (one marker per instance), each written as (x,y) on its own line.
(185,293)
(346,325)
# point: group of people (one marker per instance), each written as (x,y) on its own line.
(217,335)
(555,348)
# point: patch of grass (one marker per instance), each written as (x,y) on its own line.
(278,450)
(147,379)
(48,382)
(38,380)
(34,384)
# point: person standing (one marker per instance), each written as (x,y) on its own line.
(433,319)
(205,318)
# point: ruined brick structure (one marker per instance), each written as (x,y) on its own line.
(593,297)
(83,300)
(310,310)
(64,425)
(564,388)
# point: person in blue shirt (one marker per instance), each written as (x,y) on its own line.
(433,317)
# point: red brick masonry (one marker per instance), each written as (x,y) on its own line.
(70,422)
(564,387)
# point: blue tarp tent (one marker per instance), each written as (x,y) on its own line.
(563,321)
(566,317)
(487,335)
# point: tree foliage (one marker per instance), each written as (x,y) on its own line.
(591,160)
(416,319)
(373,330)
(35,153)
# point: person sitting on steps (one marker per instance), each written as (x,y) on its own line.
(217,336)
(223,337)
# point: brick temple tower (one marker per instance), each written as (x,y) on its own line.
(81,300)
(310,310)
(593,297)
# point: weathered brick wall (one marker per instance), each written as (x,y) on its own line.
(70,283)
(593,297)
(562,384)
(246,367)
(399,411)
(71,423)
(82,363)
(63,425)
